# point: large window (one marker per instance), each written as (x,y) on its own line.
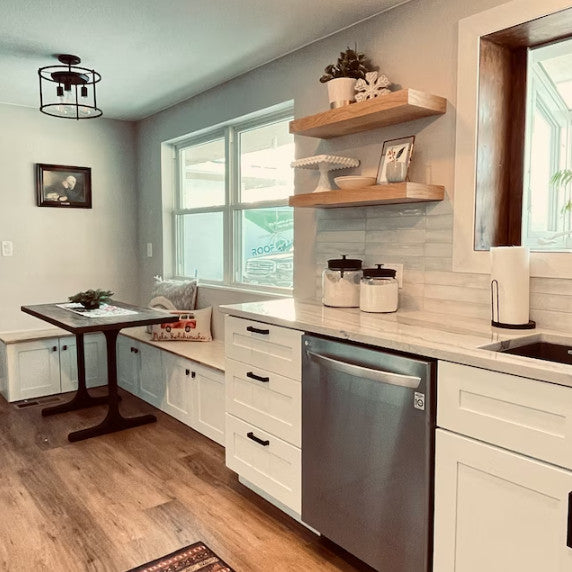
(233,225)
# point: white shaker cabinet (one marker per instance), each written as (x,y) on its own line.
(186,390)
(95,361)
(140,370)
(503,478)
(49,366)
(194,395)
(263,419)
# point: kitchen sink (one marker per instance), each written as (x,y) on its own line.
(543,347)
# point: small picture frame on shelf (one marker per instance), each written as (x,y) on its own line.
(395,159)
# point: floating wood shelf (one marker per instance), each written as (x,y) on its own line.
(397,107)
(391,193)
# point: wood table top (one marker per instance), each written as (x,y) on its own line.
(78,324)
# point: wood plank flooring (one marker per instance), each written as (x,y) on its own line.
(113,502)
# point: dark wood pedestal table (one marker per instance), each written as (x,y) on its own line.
(79,325)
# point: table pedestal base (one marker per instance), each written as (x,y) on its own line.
(80,400)
(112,423)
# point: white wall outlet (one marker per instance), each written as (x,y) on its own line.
(398,269)
(149,249)
(7,248)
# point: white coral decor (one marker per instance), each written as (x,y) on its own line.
(372,86)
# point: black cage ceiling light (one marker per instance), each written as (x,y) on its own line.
(68,90)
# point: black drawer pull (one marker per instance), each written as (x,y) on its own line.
(257,330)
(263,442)
(135,350)
(187,372)
(569,531)
(54,348)
(64,348)
(252,375)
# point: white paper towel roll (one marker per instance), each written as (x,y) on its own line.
(510,267)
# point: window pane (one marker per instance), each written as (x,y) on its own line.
(540,173)
(203,175)
(201,248)
(267,239)
(265,157)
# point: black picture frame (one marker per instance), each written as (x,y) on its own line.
(63,186)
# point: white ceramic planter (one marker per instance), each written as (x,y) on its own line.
(341,91)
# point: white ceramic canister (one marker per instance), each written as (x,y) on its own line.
(341,282)
(379,290)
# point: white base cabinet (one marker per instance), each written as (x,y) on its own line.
(186,390)
(503,473)
(263,402)
(194,395)
(45,367)
(498,511)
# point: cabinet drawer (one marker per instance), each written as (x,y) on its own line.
(273,465)
(271,347)
(265,399)
(520,414)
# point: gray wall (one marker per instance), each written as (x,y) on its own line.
(416,46)
(58,252)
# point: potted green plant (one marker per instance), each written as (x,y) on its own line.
(91,299)
(341,77)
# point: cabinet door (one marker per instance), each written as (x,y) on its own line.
(151,375)
(265,460)
(270,347)
(498,511)
(33,369)
(265,399)
(178,400)
(95,361)
(208,403)
(128,364)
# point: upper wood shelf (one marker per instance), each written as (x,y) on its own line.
(391,193)
(396,107)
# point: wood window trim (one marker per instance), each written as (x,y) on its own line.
(501,125)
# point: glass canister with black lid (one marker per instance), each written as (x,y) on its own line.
(379,290)
(341,282)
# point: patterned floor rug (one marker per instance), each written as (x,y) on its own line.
(194,558)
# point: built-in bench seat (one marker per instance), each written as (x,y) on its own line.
(210,354)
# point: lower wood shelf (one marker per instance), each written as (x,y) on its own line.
(391,193)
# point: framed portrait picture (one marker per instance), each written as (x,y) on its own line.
(63,186)
(396,153)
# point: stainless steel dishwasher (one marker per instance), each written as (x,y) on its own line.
(368,426)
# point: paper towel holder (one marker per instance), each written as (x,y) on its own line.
(495,302)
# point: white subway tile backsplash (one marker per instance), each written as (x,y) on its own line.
(440,235)
(439,250)
(458,294)
(401,235)
(420,237)
(341,236)
(392,223)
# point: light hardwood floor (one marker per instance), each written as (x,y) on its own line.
(113,502)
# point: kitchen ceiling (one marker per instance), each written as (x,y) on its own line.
(153,54)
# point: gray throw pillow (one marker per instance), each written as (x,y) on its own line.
(182,294)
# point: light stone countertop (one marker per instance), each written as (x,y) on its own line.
(440,336)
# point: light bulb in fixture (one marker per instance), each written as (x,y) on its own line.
(84,91)
(60,91)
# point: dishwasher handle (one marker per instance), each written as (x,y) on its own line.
(389,377)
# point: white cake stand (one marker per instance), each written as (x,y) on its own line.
(324,163)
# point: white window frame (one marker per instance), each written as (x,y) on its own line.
(233,206)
